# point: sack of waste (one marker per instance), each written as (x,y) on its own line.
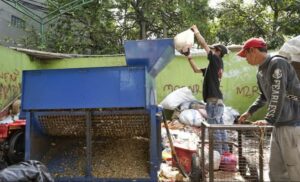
(175,98)
(26,171)
(184,41)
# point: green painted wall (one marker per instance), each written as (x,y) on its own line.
(11,65)
(238,83)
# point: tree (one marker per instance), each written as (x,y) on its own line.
(161,18)
(264,18)
(101,27)
(90,29)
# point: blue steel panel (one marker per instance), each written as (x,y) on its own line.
(79,88)
(154,54)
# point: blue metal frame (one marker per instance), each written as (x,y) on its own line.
(87,89)
(155,147)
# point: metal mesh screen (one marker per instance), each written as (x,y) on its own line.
(63,125)
(104,123)
(121,124)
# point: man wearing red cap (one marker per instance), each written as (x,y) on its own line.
(279,88)
(211,91)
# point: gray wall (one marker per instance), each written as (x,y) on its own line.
(11,35)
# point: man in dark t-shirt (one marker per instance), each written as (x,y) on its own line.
(212,75)
(212,94)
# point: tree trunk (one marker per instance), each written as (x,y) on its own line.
(275,18)
(165,28)
(143,30)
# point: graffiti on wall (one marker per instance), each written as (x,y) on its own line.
(10,86)
(245,91)
(195,88)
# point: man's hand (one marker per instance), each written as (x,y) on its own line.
(200,39)
(195,29)
(244,117)
(260,122)
(185,53)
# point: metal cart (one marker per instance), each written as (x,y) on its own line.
(247,142)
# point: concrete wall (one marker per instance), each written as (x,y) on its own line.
(238,83)
(11,65)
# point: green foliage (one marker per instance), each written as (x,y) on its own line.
(271,20)
(102,26)
(90,29)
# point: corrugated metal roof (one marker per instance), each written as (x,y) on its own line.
(42,54)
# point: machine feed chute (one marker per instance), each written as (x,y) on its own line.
(154,54)
(97,124)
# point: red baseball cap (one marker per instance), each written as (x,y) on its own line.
(253,42)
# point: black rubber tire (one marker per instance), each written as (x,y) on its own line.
(196,174)
(16,149)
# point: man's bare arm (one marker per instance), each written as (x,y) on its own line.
(200,39)
(194,66)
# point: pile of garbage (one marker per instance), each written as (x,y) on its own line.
(185,130)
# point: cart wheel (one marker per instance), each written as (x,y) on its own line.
(248,170)
(16,147)
(196,174)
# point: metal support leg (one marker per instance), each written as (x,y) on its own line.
(211,154)
(88,144)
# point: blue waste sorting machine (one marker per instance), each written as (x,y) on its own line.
(98,124)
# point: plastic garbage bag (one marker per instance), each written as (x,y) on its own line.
(291,49)
(230,115)
(228,162)
(216,159)
(30,170)
(191,105)
(191,117)
(184,41)
(175,98)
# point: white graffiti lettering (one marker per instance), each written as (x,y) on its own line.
(274,97)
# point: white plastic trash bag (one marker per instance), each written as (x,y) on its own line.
(175,98)
(184,41)
(230,115)
(291,49)
(217,159)
(191,105)
(191,117)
